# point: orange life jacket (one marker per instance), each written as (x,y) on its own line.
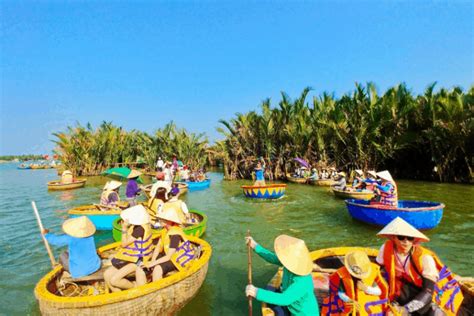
(447,292)
(371,305)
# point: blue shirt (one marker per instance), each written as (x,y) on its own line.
(259,174)
(83,258)
(132,188)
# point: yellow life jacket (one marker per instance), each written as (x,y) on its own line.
(185,252)
(447,292)
(153,205)
(176,207)
(370,305)
(141,248)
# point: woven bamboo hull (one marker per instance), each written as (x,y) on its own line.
(163,297)
(323,182)
(183,189)
(57,185)
(367,195)
(271,191)
(295,180)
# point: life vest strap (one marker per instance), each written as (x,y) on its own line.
(374,303)
(188,253)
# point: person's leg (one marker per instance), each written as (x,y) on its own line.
(108,275)
(140,276)
(64,260)
(118,279)
(157,273)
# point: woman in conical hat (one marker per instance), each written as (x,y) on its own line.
(296,295)
(386,192)
(110,196)
(358,182)
(81,258)
(67,177)
(414,278)
(340,183)
(132,190)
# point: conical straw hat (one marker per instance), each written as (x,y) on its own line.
(358,264)
(136,215)
(359,172)
(169,215)
(399,227)
(106,186)
(293,254)
(79,227)
(342,173)
(114,185)
(133,174)
(385,175)
(65,172)
(372,173)
(159,184)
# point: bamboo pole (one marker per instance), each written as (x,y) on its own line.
(249,259)
(40,224)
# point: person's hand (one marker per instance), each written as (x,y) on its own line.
(251,242)
(251,291)
(362,286)
(45,231)
(355,305)
(124,225)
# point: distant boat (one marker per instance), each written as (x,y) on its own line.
(269,191)
(58,185)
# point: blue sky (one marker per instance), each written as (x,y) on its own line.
(141,64)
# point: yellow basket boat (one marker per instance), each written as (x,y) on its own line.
(362,195)
(183,189)
(163,297)
(295,179)
(332,259)
(57,185)
(322,182)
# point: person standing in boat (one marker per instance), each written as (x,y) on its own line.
(419,283)
(132,187)
(386,192)
(340,183)
(260,173)
(296,294)
(110,194)
(136,248)
(159,163)
(356,287)
(168,173)
(81,257)
(173,252)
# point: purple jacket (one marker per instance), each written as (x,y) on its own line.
(132,189)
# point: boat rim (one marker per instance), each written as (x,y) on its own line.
(276,185)
(57,182)
(402,209)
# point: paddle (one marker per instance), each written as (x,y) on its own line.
(249,257)
(40,224)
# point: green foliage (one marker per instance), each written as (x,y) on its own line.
(21,157)
(86,151)
(408,134)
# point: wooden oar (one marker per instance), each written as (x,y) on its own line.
(40,224)
(249,257)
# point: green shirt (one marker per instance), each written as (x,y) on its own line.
(296,291)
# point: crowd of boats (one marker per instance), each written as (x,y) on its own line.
(159,260)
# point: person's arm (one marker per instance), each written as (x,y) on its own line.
(57,240)
(293,293)
(184,207)
(384,188)
(267,255)
(174,244)
(379,258)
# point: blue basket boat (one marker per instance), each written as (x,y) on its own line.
(420,214)
(271,191)
(194,186)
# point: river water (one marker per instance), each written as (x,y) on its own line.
(307,212)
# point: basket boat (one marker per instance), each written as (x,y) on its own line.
(420,214)
(333,258)
(183,189)
(362,195)
(163,297)
(193,186)
(57,185)
(295,179)
(270,191)
(197,229)
(102,218)
(322,182)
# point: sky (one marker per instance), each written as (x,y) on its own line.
(141,64)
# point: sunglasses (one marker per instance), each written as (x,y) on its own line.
(401,238)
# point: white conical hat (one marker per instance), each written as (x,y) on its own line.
(106,186)
(372,173)
(385,175)
(293,254)
(399,227)
(112,185)
(169,215)
(79,227)
(136,215)
(133,174)
(65,172)
(359,172)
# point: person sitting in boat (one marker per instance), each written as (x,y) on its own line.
(168,173)
(418,282)
(358,182)
(110,194)
(333,173)
(159,195)
(80,259)
(201,176)
(386,192)
(173,252)
(132,187)
(314,174)
(357,286)
(67,177)
(184,173)
(305,172)
(296,293)
(136,248)
(340,183)
(160,175)
(176,205)
(324,174)
(260,173)
(371,180)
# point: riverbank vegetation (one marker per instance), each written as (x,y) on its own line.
(427,136)
(21,157)
(88,151)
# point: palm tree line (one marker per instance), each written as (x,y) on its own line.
(427,136)
(88,151)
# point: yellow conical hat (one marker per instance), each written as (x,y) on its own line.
(133,174)
(112,185)
(79,227)
(293,254)
(385,175)
(399,227)
(169,215)
(358,264)
(136,215)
